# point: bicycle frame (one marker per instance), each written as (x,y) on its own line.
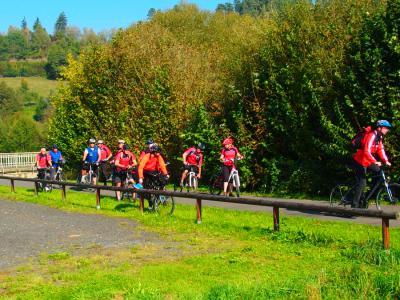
(378,184)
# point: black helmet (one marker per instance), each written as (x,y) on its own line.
(54,146)
(155,148)
(92,141)
(125,147)
(149,142)
(201,146)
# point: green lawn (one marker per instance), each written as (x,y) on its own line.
(40,85)
(231,255)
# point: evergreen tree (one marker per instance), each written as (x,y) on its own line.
(60,26)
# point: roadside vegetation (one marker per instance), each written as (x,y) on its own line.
(291,85)
(231,255)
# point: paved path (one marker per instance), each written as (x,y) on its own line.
(244,207)
(26,230)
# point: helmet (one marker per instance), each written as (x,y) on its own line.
(149,142)
(383,123)
(125,147)
(201,146)
(155,148)
(54,147)
(121,142)
(227,141)
(100,142)
(92,141)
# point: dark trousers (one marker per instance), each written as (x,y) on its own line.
(103,172)
(361,180)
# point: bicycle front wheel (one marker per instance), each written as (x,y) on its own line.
(236,185)
(215,187)
(341,194)
(193,183)
(163,205)
(390,194)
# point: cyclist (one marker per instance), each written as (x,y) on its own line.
(192,160)
(228,155)
(56,157)
(43,161)
(124,161)
(152,163)
(366,157)
(91,155)
(105,155)
(146,150)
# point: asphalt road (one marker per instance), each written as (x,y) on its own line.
(244,207)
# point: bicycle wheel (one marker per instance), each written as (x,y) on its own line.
(163,205)
(215,186)
(236,185)
(194,183)
(385,194)
(341,194)
(48,187)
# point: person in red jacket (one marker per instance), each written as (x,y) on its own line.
(192,160)
(124,161)
(150,163)
(366,157)
(43,161)
(228,155)
(105,156)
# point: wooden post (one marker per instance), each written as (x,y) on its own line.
(276,218)
(141,203)
(12,186)
(63,193)
(198,210)
(36,189)
(98,198)
(385,233)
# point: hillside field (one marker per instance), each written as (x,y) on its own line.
(40,85)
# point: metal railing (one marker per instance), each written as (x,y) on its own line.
(275,204)
(17,161)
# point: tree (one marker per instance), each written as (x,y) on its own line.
(57,57)
(16,43)
(40,40)
(60,26)
(10,102)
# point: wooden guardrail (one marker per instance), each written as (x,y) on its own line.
(275,204)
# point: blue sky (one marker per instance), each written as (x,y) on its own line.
(95,14)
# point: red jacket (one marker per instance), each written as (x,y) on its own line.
(371,146)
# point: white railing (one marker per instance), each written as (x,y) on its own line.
(17,161)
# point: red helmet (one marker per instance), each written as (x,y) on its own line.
(227,141)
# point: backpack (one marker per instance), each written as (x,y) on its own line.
(357,140)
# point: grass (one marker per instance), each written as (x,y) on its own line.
(231,255)
(40,85)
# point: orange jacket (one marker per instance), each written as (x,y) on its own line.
(151,162)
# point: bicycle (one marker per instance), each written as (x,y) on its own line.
(216,185)
(128,180)
(44,174)
(163,205)
(58,176)
(191,181)
(217,182)
(343,194)
(88,178)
